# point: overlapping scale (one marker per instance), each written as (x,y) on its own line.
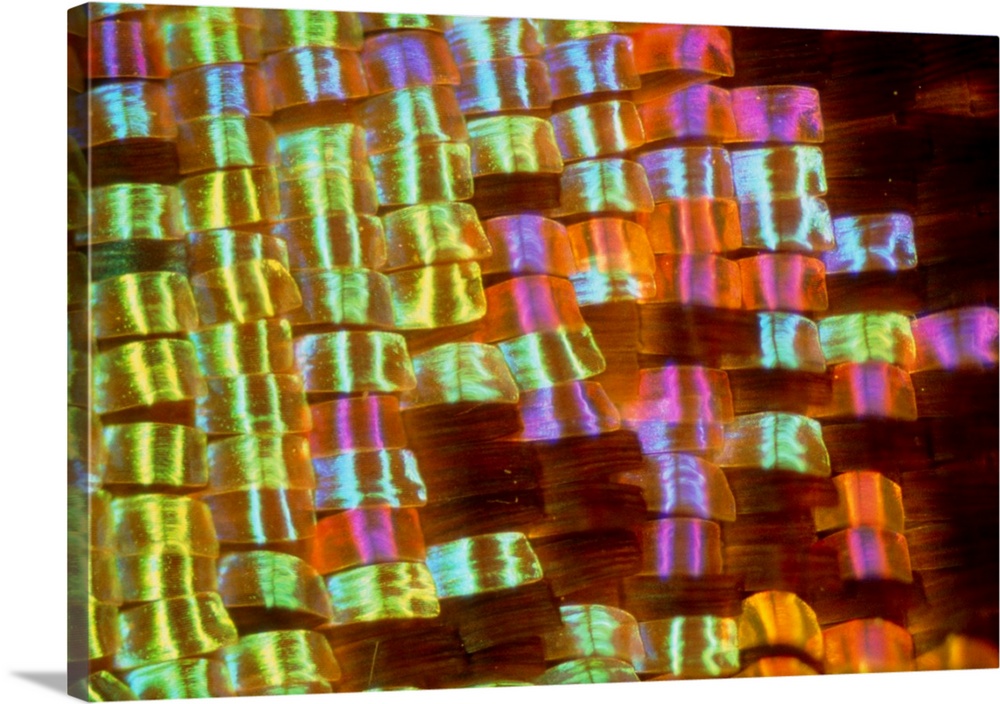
(435,231)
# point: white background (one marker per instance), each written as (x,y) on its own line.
(32,541)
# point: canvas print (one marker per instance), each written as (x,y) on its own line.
(412,351)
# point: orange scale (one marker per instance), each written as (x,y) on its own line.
(788,282)
(530,304)
(367,536)
(693,226)
(698,279)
